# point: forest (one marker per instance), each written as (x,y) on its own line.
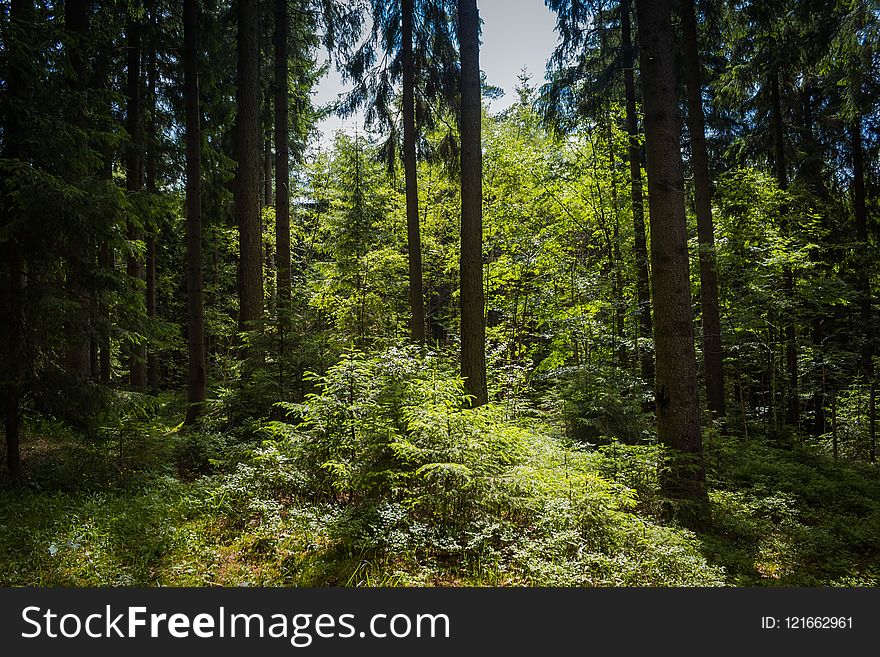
(619,333)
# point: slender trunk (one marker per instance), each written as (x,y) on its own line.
(413,232)
(247,175)
(133,179)
(151,182)
(712,351)
(15,358)
(267,160)
(678,418)
(619,336)
(18,87)
(834,439)
(76,23)
(473,325)
(102,83)
(864,281)
(105,261)
(282,159)
(195,329)
(643,297)
(793,412)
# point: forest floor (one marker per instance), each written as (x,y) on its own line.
(149,505)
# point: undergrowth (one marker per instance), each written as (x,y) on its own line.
(383,476)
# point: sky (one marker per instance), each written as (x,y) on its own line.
(516,34)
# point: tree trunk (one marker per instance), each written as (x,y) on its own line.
(863,280)
(247,175)
(195,329)
(18,87)
(473,326)
(282,159)
(76,23)
(678,419)
(413,232)
(712,352)
(643,297)
(793,411)
(151,182)
(133,179)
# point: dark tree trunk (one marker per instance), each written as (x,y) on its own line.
(473,326)
(101,81)
(643,297)
(678,418)
(14,353)
(712,352)
(76,22)
(195,329)
(151,182)
(247,175)
(18,87)
(106,261)
(133,180)
(864,281)
(282,160)
(413,232)
(793,410)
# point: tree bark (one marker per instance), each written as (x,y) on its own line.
(18,87)
(195,330)
(793,412)
(473,325)
(643,296)
(413,232)
(151,183)
(863,280)
(247,175)
(282,159)
(133,181)
(76,23)
(712,349)
(678,420)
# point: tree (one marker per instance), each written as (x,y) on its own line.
(413,234)
(712,354)
(282,158)
(19,89)
(249,159)
(134,180)
(195,328)
(76,23)
(473,325)
(418,49)
(678,421)
(643,295)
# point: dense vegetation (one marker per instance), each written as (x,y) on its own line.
(620,333)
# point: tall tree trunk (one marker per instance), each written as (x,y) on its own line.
(473,325)
(413,232)
(643,297)
(133,180)
(282,159)
(18,87)
(247,175)
(712,352)
(76,23)
(195,329)
(102,83)
(864,281)
(678,418)
(151,182)
(793,411)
